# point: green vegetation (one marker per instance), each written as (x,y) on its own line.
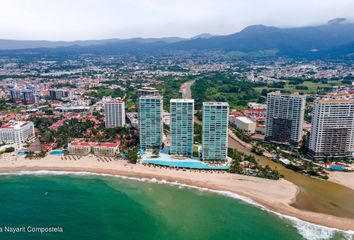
(169,89)
(223,87)
(241,134)
(132,155)
(6,107)
(87,130)
(250,166)
(197,133)
(9,149)
(306,86)
(129,93)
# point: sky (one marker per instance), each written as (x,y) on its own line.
(103,19)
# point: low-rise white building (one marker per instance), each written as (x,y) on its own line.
(245,124)
(16,132)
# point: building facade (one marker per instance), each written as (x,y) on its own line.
(332,129)
(215,131)
(150,122)
(15,94)
(78,147)
(182,126)
(114,113)
(16,132)
(59,93)
(148,91)
(244,124)
(285,118)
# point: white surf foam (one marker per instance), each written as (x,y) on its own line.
(307,230)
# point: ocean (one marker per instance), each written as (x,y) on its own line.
(81,206)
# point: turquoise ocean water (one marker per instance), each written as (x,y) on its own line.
(102,207)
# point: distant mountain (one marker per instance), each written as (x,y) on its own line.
(203,36)
(334,39)
(289,41)
(6,44)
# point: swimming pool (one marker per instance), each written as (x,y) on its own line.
(337,168)
(185,164)
(21,153)
(57,152)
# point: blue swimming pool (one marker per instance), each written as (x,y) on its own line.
(337,168)
(21,153)
(57,152)
(186,164)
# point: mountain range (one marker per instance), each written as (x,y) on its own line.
(332,40)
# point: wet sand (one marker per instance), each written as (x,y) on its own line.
(343,178)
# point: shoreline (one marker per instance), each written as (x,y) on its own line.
(343,178)
(273,195)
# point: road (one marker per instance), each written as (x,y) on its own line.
(185,89)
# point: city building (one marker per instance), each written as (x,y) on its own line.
(106,149)
(115,113)
(215,131)
(83,148)
(28,97)
(16,132)
(181,126)
(244,124)
(285,118)
(150,121)
(332,130)
(59,93)
(15,94)
(148,91)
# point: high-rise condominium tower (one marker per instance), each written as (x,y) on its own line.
(285,117)
(215,131)
(181,127)
(115,113)
(150,121)
(332,129)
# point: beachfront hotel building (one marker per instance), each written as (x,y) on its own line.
(83,148)
(150,122)
(215,131)
(16,132)
(181,126)
(332,129)
(285,118)
(114,113)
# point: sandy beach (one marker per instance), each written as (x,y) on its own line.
(343,178)
(275,195)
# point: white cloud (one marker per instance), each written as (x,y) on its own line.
(97,19)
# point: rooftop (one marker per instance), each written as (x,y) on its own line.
(244,119)
(93,144)
(278,93)
(15,124)
(216,104)
(182,100)
(151,97)
(114,102)
(335,101)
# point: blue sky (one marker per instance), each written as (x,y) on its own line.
(100,19)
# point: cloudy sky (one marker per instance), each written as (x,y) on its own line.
(99,19)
